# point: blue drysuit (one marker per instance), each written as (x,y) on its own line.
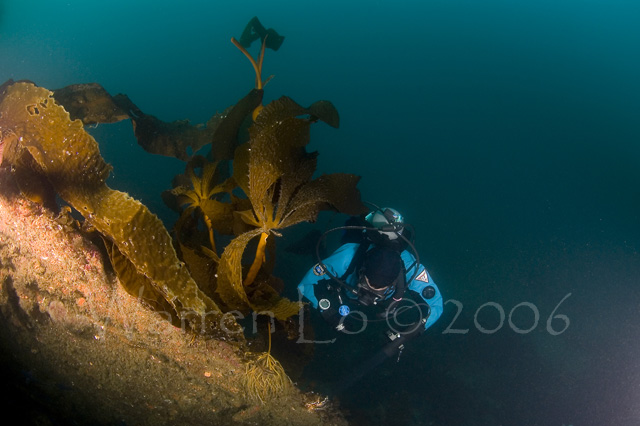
(339,262)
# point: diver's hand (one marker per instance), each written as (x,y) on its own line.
(398,339)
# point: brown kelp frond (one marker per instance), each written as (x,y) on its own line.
(279,168)
(177,139)
(232,290)
(327,192)
(325,111)
(285,107)
(255,30)
(136,284)
(225,138)
(70,160)
(199,198)
(275,172)
(5,139)
(92,104)
(203,267)
(265,299)
(204,185)
(230,287)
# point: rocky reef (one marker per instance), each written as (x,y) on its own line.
(84,351)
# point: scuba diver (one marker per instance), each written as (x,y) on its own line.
(375,276)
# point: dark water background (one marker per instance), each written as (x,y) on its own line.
(507,133)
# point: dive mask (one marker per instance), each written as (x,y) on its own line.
(368,295)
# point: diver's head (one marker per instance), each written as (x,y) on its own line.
(388,221)
(380,275)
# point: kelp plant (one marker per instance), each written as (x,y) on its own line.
(275,172)
(46,145)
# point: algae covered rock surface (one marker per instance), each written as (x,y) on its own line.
(87,352)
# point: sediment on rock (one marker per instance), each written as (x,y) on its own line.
(86,351)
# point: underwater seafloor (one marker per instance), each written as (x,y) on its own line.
(77,349)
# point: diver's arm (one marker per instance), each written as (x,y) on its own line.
(337,264)
(428,291)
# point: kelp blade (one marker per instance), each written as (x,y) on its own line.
(70,159)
